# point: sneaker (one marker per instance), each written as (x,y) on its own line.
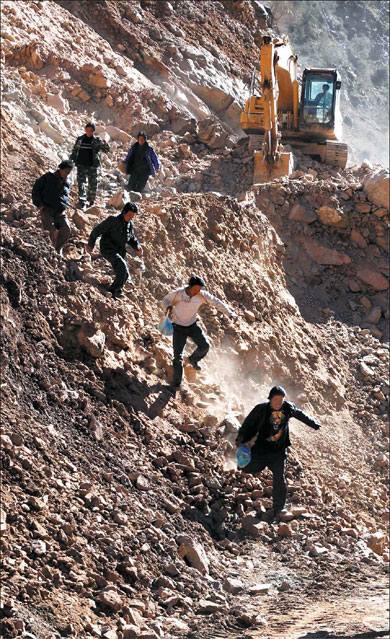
(80,205)
(174,388)
(194,364)
(117,293)
(91,202)
(284,514)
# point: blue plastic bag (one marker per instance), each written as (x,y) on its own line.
(165,326)
(243,456)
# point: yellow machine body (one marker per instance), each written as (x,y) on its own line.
(307,117)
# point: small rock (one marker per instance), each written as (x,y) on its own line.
(207,607)
(194,554)
(259,589)
(373,278)
(38,547)
(284,530)
(233,586)
(376,542)
(111,599)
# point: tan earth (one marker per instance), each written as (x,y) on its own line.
(123,514)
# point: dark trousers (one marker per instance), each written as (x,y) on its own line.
(137,180)
(121,270)
(180,335)
(276,462)
(58,226)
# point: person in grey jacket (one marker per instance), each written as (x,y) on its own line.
(116,231)
(86,156)
(266,431)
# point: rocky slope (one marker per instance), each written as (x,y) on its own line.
(123,516)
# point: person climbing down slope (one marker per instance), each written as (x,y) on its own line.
(116,231)
(267,425)
(141,162)
(86,155)
(50,194)
(182,306)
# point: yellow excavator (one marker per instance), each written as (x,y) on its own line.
(306,116)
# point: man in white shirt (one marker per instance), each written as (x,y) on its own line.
(182,306)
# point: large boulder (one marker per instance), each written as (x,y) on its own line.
(376,185)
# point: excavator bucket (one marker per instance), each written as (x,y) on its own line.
(264,172)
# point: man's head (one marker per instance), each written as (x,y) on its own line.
(89,129)
(129,210)
(325,88)
(142,137)
(195,283)
(65,168)
(276,397)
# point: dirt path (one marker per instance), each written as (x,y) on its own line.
(364,614)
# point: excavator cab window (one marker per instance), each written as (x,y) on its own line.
(318,98)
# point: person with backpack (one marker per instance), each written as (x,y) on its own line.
(116,231)
(50,194)
(141,162)
(86,156)
(266,432)
(182,306)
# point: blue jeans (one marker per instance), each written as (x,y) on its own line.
(276,462)
(180,335)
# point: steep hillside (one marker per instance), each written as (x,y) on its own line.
(123,514)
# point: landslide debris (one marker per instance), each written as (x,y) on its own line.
(122,513)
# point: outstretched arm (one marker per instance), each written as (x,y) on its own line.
(303,417)
(215,301)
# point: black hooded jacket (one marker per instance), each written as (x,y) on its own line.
(116,233)
(52,191)
(258,423)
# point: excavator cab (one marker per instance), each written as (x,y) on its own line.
(320,97)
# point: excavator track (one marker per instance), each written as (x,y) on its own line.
(336,153)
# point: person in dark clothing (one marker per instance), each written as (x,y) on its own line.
(116,231)
(266,431)
(86,155)
(50,194)
(141,162)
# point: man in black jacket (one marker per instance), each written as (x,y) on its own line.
(50,194)
(117,231)
(267,426)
